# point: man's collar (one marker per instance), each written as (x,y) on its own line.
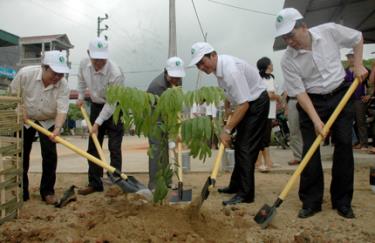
(315,37)
(104,70)
(40,79)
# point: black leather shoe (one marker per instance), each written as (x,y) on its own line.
(308,212)
(237,199)
(346,212)
(226,190)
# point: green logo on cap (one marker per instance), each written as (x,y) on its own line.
(62,59)
(192,51)
(279,18)
(100,45)
(178,63)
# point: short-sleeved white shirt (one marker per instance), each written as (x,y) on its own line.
(241,81)
(318,71)
(97,83)
(42,103)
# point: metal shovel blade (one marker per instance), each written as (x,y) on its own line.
(265,215)
(131,185)
(180,195)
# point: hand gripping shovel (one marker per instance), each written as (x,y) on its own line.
(266,213)
(182,196)
(127,183)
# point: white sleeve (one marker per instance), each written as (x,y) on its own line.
(344,36)
(81,86)
(293,83)
(238,87)
(108,109)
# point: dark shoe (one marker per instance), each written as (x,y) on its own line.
(86,191)
(226,190)
(308,212)
(50,199)
(346,212)
(236,199)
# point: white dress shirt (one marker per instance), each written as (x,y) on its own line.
(320,70)
(241,81)
(41,103)
(97,83)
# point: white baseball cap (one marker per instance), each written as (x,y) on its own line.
(98,49)
(286,20)
(175,67)
(198,50)
(56,60)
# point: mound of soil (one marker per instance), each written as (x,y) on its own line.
(113,216)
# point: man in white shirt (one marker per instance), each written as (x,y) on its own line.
(244,89)
(97,73)
(314,74)
(45,95)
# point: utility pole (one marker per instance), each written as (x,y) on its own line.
(172,29)
(100,30)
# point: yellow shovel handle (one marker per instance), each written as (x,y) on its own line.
(219,156)
(93,135)
(318,140)
(75,149)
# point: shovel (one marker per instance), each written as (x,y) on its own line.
(181,196)
(267,213)
(127,183)
(211,180)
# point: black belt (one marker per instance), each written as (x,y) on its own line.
(343,86)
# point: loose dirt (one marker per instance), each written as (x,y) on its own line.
(112,216)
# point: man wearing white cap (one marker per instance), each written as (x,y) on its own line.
(95,74)
(314,74)
(246,91)
(172,76)
(45,95)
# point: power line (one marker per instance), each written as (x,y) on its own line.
(199,22)
(245,9)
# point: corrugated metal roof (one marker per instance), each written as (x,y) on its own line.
(8,39)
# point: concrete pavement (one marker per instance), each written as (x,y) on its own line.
(135,159)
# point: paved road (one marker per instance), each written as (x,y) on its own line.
(135,160)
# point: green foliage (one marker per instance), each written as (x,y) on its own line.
(74,113)
(155,116)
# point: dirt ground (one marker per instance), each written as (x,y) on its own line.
(113,216)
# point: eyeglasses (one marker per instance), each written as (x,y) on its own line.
(58,75)
(289,35)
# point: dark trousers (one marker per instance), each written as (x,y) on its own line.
(49,162)
(249,138)
(312,181)
(115,134)
(159,155)
(360,109)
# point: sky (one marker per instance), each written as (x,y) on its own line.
(138,31)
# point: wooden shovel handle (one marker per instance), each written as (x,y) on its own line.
(72,147)
(219,156)
(93,135)
(319,139)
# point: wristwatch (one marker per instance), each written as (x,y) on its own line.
(227,131)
